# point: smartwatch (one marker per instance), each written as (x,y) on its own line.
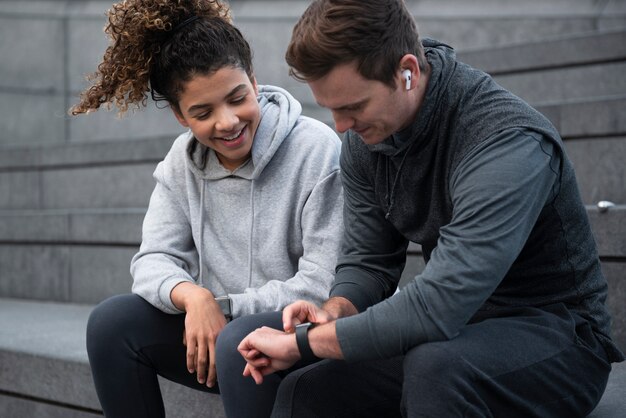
(226,305)
(302,340)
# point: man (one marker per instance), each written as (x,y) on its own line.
(508,317)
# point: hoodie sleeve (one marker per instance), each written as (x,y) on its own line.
(322,225)
(167,255)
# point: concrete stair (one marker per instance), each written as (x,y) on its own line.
(73,191)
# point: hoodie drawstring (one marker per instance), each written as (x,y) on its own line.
(200,275)
(251,234)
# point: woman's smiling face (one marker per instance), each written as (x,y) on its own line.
(222,111)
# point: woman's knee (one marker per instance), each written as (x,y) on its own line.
(236,330)
(112,319)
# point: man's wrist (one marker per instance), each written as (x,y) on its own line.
(339,307)
(302,341)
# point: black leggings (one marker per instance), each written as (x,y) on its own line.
(130,342)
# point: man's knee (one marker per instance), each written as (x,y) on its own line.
(430,361)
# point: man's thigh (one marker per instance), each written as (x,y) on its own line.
(535,362)
(334,389)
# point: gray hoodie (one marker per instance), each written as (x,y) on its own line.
(265,234)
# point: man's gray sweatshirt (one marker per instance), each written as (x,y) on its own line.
(481,181)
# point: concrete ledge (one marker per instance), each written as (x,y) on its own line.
(558,52)
(595,118)
(53,156)
(609,229)
(121,226)
(44,368)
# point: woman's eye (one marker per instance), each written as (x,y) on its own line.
(238,100)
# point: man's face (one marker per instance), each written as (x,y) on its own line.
(370,108)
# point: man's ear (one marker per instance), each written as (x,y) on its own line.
(409,62)
(179,117)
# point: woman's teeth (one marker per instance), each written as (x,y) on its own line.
(232,138)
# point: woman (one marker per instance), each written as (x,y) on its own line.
(245,216)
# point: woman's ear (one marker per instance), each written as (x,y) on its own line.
(254,85)
(179,117)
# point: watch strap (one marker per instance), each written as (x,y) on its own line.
(226,305)
(302,340)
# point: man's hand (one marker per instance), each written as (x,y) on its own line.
(204,320)
(300,312)
(267,350)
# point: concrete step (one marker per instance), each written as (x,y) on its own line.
(51,45)
(556,52)
(45,371)
(111,174)
(557,70)
(80,176)
(64,273)
(594,132)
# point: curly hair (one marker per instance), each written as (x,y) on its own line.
(156,45)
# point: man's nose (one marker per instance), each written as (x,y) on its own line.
(342,123)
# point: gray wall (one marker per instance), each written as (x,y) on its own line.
(47,48)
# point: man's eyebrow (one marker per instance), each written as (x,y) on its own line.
(349,106)
(229,95)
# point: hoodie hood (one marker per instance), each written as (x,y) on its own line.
(278,115)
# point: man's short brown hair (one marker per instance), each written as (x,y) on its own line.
(375,34)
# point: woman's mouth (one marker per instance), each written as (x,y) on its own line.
(231,137)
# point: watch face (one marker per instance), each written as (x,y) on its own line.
(224,303)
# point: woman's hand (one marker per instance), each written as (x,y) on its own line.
(204,321)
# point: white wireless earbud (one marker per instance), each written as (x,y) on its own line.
(407,77)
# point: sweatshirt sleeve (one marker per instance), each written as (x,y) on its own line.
(497,192)
(373,253)
(167,255)
(322,224)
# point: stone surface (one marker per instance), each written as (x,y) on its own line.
(28,118)
(19,190)
(588,118)
(99,272)
(609,229)
(65,42)
(564,51)
(84,154)
(43,355)
(600,169)
(14,407)
(120,186)
(65,273)
(563,84)
(35,271)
